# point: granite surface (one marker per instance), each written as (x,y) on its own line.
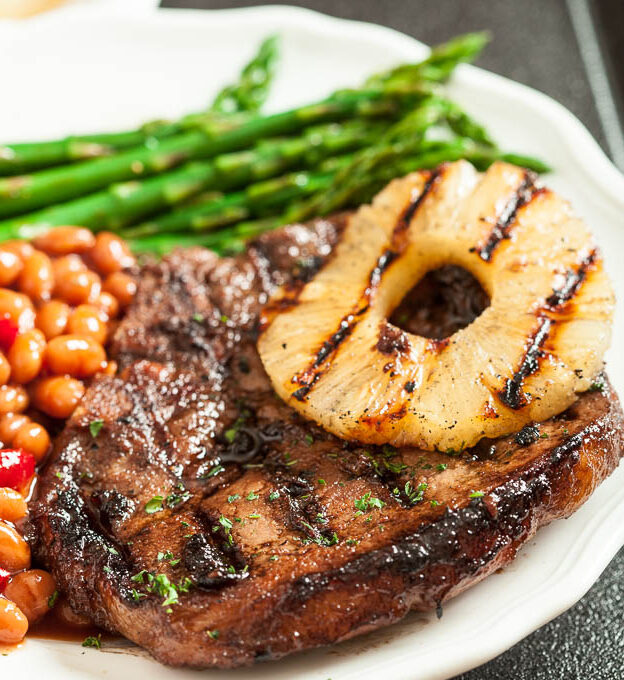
(536,43)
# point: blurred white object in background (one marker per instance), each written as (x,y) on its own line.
(20,9)
(17,9)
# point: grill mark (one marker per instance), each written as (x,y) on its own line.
(522,196)
(302,508)
(574,280)
(512,394)
(408,214)
(310,376)
(290,300)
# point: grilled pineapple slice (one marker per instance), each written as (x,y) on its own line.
(332,354)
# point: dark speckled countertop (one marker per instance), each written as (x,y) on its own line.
(574,51)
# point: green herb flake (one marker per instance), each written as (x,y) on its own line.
(274,495)
(233,497)
(154,505)
(254,516)
(252,496)
(230,435)
(107,570)
(309,439)
(52,599)
(95,427)
(92,641)
(441,467)
(136,595)
(224,318)
(477,494)
(198,318)
(367,502)
(322,482)
(274,558)
(212,634)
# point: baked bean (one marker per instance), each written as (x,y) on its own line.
(110,253)
(5,369)
(108,304)
(22,249)
(37,277)
(13,623)
(76,355)
(9,425)
(58,396)
(33,438)
(31,591)
(88,320)
(52,318)
(65,240)
(18,308)
(122,286)
(10,267)
(13,399)
(77,288)
(13,505)
(26,356)
(14,551)
(62,266)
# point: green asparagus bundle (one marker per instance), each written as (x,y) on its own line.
(29,192)
(123,204)
(245,96)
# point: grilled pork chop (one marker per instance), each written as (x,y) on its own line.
(187,508)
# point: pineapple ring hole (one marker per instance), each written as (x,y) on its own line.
(443,302)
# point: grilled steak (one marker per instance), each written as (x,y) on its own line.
(205,520)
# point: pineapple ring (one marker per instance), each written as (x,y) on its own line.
(332,354)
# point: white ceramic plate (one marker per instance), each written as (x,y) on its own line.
(91,70)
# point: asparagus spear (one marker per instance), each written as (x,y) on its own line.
(245,96)
(253,86)
(28,192)
(122,204)
(440,63)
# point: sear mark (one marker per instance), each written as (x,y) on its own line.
(502,229)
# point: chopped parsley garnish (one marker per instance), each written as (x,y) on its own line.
(174,499)
(415,495)
(434,503)
(441,467)
(274,558)
(107,570)
(224,318)
(154,505)
(252,496)
(92,641)
(309,439)
(167,555)
(477,494)
(198,318)
(367,502)
(95,426)
(225,523)
(212,634)
(52,599)
(254,516)
(288,461)
(274,495)
(136,595)
(214,470)
(233,497)
(351,541)
(230,435)
(321,482)
(112,550)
